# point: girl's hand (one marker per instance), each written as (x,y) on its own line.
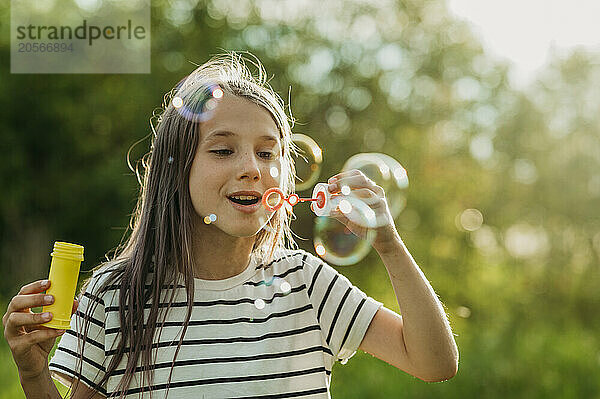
(29,342)
(386,235)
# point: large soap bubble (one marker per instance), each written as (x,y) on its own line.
(308,163)
(334,242)
(386,172)
(196,100)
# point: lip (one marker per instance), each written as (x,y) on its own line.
(246,192)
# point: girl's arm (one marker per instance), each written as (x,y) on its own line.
(82,391)
(420,341)
(41,387)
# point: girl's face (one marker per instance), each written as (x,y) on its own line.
(238,150)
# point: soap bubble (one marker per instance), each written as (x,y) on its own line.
(210,218)
(308,163)
(335,243)
(196,101)
(386,172)
(259,304)
(338,245)
(285,288)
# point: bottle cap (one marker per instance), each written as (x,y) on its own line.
(68,251)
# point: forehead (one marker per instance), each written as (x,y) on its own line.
(236,116)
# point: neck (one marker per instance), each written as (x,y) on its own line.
(218,255)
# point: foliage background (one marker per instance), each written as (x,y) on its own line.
(400,77)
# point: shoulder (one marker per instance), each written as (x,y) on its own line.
(289,256)
(103,281)
(297,259)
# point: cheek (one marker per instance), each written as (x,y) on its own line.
(195,184)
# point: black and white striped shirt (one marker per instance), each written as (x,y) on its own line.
(272,331)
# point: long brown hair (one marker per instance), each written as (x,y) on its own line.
(161,226)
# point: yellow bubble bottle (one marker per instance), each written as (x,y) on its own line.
(64,273)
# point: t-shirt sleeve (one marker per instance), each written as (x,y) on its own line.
(344,312)
(76,340)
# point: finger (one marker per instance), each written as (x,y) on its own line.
(17,320)
(343,174)
(25,342)
(335,179)
(354,181)
(354,228)
(22,302)
(75,306)
(367,196)
(35,287)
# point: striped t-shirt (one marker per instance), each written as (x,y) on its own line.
(273,331)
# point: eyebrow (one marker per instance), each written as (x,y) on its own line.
(226,133)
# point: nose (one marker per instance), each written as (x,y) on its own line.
(250,170)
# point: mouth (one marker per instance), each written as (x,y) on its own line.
(246,202)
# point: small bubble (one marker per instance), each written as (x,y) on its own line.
(346,190)
(211,104)
(463,311)
(320,249)
(259,304)
(177,102)
(345,206)
(285,287)
(170,159)
(218,93)
(207,219)
(293,199)
(212,217)
(274,171)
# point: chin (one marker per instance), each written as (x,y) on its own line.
(243,232)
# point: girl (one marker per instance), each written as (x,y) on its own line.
(207,299)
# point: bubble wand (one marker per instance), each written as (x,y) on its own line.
(323,202)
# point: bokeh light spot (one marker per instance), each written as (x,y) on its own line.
(471,219)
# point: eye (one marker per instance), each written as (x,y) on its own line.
(221,152)
(266,154)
